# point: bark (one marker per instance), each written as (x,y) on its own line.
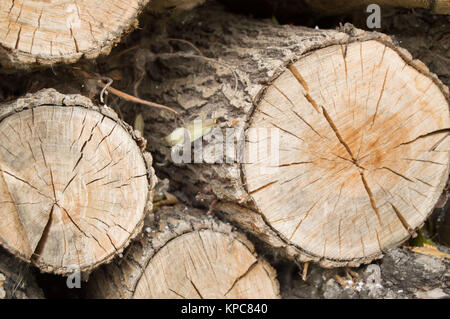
(164,6)
(336,7)
(401,274)
(17,280)
(74,183)
(186,254)
(37,33)
(331,7)
(313,85)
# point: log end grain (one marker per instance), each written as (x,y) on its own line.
(363,154)
(48,32)
(74,184)
(187,255)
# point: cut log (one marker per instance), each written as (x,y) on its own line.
(187,255)
(48,32)
(361,131)
(17,280)
(74,183)
(332,7)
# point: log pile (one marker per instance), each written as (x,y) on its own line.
(361,127)
(323,146)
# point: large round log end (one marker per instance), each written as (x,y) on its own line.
(363,154)
(74,183)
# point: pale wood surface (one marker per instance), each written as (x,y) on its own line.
(377,98)
(187,255)
(47,32)
(359,167)
(73,184)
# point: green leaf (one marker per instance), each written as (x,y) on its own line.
(275,21)
(420,240)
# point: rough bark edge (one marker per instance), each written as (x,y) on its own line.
(171,223)
(13,59)
(401,274)
(254,220)
(328,8)
(47,97)
(433,6)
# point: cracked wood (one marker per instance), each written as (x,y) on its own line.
(48,32)
(361,125)
(188,256)
(64,203)
(373,121)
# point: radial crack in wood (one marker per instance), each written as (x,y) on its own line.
(374,121)
(349,105)
(188,256)
(47,32)
(65,205)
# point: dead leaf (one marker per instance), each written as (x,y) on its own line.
(430,251)
(196,129)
